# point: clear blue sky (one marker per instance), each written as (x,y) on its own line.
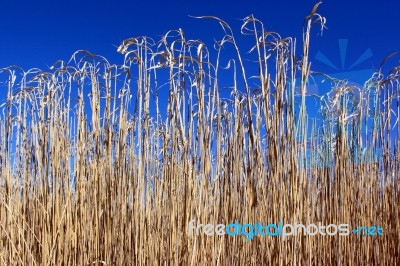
(37,33)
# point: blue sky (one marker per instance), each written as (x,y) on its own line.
(37,33)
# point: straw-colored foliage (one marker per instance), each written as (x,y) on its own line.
(106,164)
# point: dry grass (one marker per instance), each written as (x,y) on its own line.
(114,177)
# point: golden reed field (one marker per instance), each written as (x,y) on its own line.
(104,164)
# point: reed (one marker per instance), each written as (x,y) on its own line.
(106,164)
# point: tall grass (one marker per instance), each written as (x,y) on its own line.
(100,166)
